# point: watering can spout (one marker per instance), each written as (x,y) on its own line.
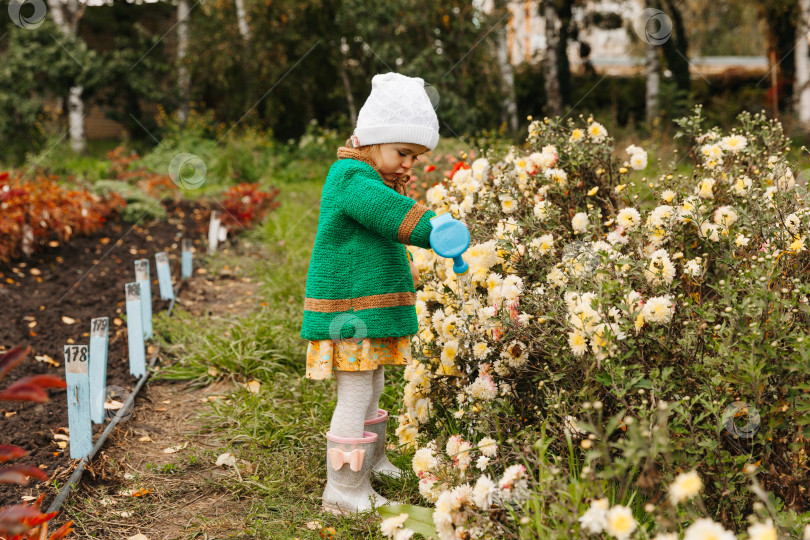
(450,238)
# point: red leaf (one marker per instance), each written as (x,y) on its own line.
(20,518)
(24,392)
(62,531)
(11,358)
(9,452)
(19,474)
(43,381)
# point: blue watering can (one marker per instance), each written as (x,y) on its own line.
(450,238)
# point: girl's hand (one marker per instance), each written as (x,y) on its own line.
(414,273)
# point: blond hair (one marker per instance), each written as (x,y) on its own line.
(371,153)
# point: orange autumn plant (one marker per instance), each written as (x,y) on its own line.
(36,211)
(246,205)
(23,521)
(157,186)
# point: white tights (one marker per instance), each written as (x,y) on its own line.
(358,400)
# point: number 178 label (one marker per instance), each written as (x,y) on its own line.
(76,358)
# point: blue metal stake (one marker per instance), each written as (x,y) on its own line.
(188,249)
(143,277)
(99,335)
(78,398)
(137,351)
(164,276)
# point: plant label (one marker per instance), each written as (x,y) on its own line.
(78,398)
(142,276)
(188,249)
(99,333)
(137,350)
(164,276)
(213,231)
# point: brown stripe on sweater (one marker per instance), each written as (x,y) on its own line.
(373,301)
(409,222)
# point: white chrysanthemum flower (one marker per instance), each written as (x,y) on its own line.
(426,487)
(480,350)
(557,277)
(580,222)
(660,270)
(763,531)
(557,176)
(710,231)
(576,135)
(483,388)
(488,447)
(741,186)
(733,143)
(483,491)
(389,526)
(660,216)
(628,218)
(578,342)
(449,352)
(725,215)
(594,520)
(597,132)
(638,161)
(706,529)
(668,196)
(620,522)
(666,536)
(508,203)
(510,475)
(685,486)
(541,210)
(711,151)
(543,244)
(657,310)
(423,460)
(786,181)
(793,222)
(797,245)
(480,168)
(693,268)
(741,240)
(482,463)
(436,195)
(704,188)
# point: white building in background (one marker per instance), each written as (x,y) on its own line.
(613,52)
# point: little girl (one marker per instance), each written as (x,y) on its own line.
(359,310)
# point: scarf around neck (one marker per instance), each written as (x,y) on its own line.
(397,184)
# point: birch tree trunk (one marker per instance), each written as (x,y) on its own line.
(552,80)
(347,87)
(802,68)
(508,105)
(183,74)
(652,66)
(241,19)
(67,18)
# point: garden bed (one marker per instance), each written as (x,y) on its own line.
(49,300)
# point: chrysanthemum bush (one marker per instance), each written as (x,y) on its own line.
(627,356)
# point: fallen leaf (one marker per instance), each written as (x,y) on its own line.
(313,525)
(139,492)
(61,444)
(173,449)
(32,324)
(117,321)
(125,514)
(105,501)
(145,438)
(47,359)
(27,498)
(226,459)
(53,243)
(10,413)
(113,405)
(161,409)
(60,437)
(68,320)
(253,386)
(138,536)
(213,371)
(166,401)
(35,272)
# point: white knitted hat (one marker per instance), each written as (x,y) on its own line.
(398,110)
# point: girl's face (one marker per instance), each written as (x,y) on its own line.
(398,158)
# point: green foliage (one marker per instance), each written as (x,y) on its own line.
(139,204)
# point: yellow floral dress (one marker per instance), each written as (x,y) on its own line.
(356,355)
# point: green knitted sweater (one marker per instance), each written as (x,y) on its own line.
(359,281)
